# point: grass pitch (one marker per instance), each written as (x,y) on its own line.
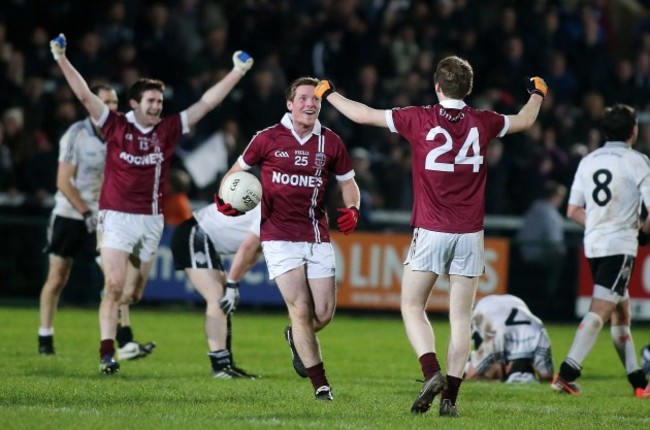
(369,363)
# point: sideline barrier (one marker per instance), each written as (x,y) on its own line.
(369,269)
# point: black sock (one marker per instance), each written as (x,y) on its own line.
(46,344)
(637,379)
(219,359)
(568,372)
(124,335)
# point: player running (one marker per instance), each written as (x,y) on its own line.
(605,199)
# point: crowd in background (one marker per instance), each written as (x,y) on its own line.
(381,52)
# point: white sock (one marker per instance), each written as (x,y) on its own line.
(585,338)
(624,345)
(42,331)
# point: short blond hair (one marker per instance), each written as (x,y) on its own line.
(305,80)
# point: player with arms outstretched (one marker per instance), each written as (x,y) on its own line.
(449,142)
(605,199)
(139,147)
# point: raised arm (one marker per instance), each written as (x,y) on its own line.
(528,114)
(242,62)
(93,104)
(355,111)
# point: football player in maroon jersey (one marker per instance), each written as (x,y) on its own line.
(297,156)
(449,141)
(139,147)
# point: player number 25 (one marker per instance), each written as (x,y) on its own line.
(472,141)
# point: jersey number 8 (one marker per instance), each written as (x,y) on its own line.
(602,194)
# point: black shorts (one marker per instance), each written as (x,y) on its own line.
(193,249)
(67,237)
(612,272)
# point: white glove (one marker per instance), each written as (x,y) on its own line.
(58,45)
(242,62)
(91,221)
(230,299)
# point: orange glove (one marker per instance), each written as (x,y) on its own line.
(537,85)
(324,89)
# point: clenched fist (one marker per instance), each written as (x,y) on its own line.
(58,45)
(242,62)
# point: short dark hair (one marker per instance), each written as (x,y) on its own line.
(305,80)
(455,77)
(618,122)
(142,85)
(552,189)
(95,89)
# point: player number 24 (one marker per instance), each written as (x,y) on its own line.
(463,157)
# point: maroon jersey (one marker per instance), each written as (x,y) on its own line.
(137,162)
(449,143)
(294,174)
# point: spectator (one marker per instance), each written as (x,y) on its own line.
(542,250)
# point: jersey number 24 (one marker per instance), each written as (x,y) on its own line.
(463,157)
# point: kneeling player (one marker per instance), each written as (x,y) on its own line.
(510,342)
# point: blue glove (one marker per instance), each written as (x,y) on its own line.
(58,45)
(242,62)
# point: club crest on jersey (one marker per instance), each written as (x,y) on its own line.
(319,160)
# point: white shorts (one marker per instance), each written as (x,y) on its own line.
(609,295)
(447,253)
(282,256)
(135,234)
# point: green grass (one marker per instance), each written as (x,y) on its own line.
(368,360)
